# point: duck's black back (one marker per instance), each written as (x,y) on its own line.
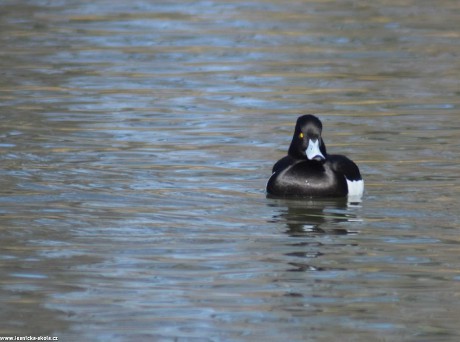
(304,178)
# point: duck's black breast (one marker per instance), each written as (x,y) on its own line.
(304,178)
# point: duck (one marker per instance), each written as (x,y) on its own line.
(308,171)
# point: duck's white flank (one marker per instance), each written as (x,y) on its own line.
(355,188)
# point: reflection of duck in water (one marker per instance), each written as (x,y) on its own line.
(312,220)
(308,171)
(312,217)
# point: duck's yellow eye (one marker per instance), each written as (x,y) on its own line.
(301,135)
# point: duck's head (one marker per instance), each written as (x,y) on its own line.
(307,141)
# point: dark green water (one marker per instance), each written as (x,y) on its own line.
(136,139)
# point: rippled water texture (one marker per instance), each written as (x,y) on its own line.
(136,138)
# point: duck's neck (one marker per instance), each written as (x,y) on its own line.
(296,153)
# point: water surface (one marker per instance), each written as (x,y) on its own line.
(136,139)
